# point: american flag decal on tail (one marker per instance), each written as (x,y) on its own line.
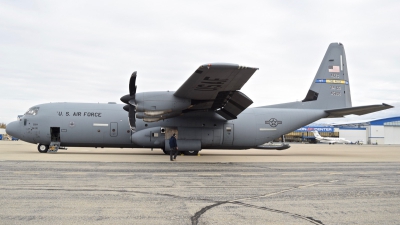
(334,69)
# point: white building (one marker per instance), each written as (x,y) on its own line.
(377,131)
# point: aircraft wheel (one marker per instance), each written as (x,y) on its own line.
(43,148)
(191,152)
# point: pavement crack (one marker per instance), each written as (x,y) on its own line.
(275,193)
(195,218)
(307,218)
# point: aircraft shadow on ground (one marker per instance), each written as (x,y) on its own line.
(203,154)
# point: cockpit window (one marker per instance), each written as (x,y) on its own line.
(32,111)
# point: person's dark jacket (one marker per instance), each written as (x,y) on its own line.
(172,142)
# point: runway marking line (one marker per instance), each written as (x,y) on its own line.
(122,174)
(209,174)
(252,174)
(165,174)
(293,174)
(334,173)
(366,173)
(74,173)
(308,185)
(23,172)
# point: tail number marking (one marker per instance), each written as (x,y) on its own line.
(335,87)
(333,75)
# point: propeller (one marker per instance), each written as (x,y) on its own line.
(130,101)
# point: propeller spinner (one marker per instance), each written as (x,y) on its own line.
(130,100)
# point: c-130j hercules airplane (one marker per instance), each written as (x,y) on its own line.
(207,112)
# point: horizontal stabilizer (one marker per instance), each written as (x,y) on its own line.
(360,110)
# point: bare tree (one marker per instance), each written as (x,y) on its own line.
(3,125)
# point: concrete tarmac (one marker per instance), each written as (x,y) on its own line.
(306,184)
(19,150)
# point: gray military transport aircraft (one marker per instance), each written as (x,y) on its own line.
(207,112)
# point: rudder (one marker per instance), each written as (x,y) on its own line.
(330,88)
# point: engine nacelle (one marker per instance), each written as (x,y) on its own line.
(158,103)
(151,118)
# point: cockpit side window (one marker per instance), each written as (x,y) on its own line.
(32,111)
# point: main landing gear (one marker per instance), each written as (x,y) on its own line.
(184,152)
(43,148)
(191,152)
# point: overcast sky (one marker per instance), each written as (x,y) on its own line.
(85,51)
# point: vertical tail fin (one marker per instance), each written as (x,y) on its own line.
(316,134)
(330,88)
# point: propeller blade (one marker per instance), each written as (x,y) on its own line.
(132,122)
(132,117)
(132,102)
(126,108)
(125,99)
(132,111)
(132,84)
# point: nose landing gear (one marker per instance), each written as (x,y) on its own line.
(43,148)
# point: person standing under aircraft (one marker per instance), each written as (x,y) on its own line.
(174,147)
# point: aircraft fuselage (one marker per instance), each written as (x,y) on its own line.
(106,125)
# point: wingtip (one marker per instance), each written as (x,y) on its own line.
(387,105)
(226,65)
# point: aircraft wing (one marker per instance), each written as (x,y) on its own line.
(216,87)
(360,110)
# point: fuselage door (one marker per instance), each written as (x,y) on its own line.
(55,134)
(113,129)
(228,134)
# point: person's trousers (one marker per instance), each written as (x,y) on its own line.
(173,152)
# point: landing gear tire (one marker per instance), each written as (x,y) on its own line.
(191,152)
(43,148)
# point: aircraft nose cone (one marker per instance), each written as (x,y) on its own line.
(13,129)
